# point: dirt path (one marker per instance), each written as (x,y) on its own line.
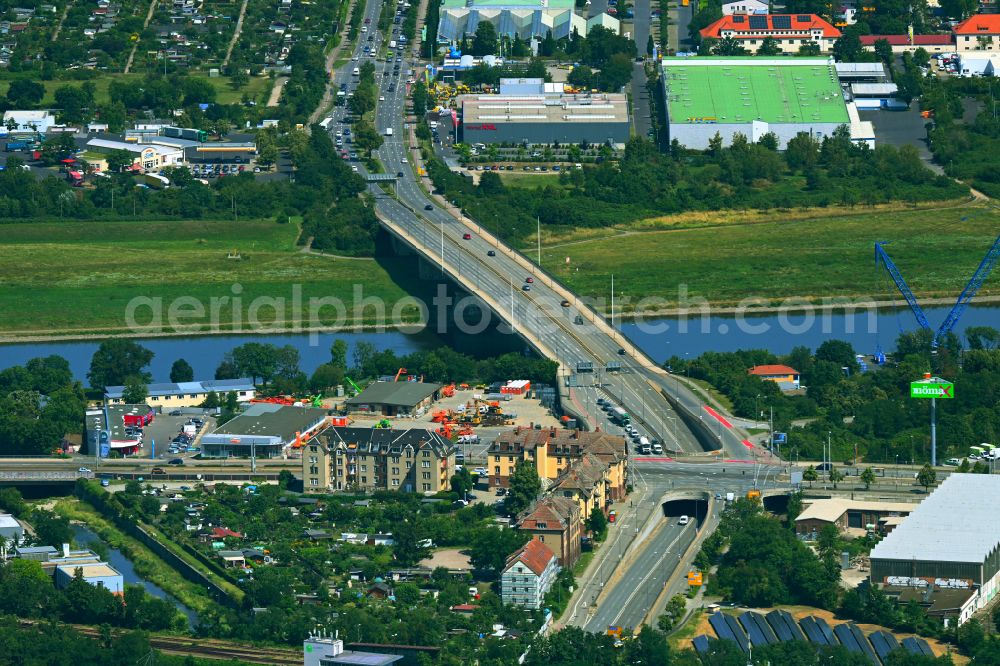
(331,58)
(55,33)
(307,249)
(145,24)
(236,34)
(279,85)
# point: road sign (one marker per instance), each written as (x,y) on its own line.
(932,389)
(694,578)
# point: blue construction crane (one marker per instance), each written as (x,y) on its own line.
(985,267)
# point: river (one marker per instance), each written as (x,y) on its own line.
(83,536)
(660,338)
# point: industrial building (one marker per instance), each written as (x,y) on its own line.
(396,398)
(264,430)
(10,529)
(532,111)
(147,157)
(170,395)
(755,96)
(63,567)
(17,123)
(325,650)
(523,18)
(950,541)
(848,514)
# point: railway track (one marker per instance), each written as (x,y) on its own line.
(206,648)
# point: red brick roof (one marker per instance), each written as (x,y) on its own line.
(979,24)
(904,40)
(801,24)
(223,532)
(535,555)
(768,370)
(552,511)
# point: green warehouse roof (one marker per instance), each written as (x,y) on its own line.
(741,90)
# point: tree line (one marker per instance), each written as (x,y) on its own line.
(869,413)
(647,183)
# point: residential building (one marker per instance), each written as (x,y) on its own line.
(10,529)
(528,575)
(786,377)
(556,521)
(98,574)
(586,482)
(414,460)
(744,7)
(170,395)
(264,430)
(850,514)
(951,539)
(396,398)
(553,450)
(789,31)
(980,32)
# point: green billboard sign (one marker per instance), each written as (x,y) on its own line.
(932,390)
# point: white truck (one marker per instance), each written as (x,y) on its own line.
(388,131)
(644,446)
(730,497)
(392,44)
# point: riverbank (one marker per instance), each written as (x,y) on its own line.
(146,563)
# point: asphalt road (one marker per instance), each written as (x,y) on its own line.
(501,278)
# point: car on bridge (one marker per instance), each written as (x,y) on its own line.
(467,236)
(526,287)
(491,253)
(83,470)
(529,280)
(564,303)
(427,206)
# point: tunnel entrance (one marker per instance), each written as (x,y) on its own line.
(694,509)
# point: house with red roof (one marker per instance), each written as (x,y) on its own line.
(939,43)
(786,377)
(979,32)
(223,532)
(790,31)
(557,522)
(528,575)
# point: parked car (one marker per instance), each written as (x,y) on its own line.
(176,461)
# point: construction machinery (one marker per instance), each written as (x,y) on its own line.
(448,391)
(398,373)
(384,424)
(982,272)
(753,494)
(350,381)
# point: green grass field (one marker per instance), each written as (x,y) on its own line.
(79,277)
(530,180)
(936,250)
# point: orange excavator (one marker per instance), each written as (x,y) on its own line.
(399,373)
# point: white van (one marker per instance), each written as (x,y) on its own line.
(657,449)
(683,521)
(388,131)
(356,72)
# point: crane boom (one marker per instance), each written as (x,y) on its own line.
(983,272)
(904,289)
(351,382)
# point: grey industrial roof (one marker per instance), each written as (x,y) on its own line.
(185,388)
(283,423)
(539,108)
(398,394)
(353,658)
(956,523)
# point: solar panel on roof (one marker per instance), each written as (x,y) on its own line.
(758,22)
(804,18)
(781,22)
(738,19)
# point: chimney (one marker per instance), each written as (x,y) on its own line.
(65,550)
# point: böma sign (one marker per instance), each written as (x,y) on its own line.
(944,390)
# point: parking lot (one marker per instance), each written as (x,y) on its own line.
(164,428)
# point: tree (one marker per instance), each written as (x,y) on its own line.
(256,360)
(581,76)
(848,47)
(810,475)
(524,486)
(24,93)
(883,49)
(650,45)
(366,137)
(491,547)
(419,99)
(485,40)
(461,482)
(51,529)
(118,160)
(181,371)
(675,610)
(72,102)
(338,354)
(926,476)
(835,476)
(839,352)
(597,523)
(728,46)
(769,47)
(868,477)
(809,50)
(117,359)
(267,147)
(404,544)
(135,392)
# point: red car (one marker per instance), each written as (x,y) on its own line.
(529,280)
(467,236)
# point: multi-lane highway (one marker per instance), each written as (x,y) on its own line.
(544,313)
